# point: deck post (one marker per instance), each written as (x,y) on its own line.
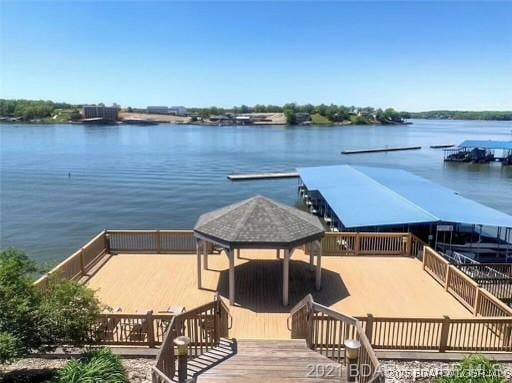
(198,253)
(278,254)
(205,253)
(369,327)
(445,330)
(82,263)
(238,253)
(286,272)
(150,328)
(231,256)
(318,278)
(182,343)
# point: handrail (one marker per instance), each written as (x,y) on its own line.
(205,325)
(308,318)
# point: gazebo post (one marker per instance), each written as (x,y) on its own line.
(231,255)
(311,256)
(238,253)
(205,253)
(198,253)
(318,279)
(286,274)
(277,254)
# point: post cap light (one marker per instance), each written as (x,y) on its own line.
(352,347)
(182,343)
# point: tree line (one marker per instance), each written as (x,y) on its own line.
(34,109)
(461,115)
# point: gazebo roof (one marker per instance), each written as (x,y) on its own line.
(259,222)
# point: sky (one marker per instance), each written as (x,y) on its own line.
(413,56)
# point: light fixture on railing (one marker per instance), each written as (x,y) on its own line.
(182,343)
(352,348)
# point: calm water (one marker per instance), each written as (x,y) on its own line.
(166,176)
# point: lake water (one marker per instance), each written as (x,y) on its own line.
(61,184)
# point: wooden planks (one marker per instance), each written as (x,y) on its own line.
(383,286)
(272,361)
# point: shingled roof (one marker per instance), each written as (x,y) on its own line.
(259,222)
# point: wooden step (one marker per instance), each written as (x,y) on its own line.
(264,361)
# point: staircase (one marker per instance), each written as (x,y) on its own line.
(315,354)
(266,361)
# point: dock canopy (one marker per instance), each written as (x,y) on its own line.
(258,223)
(486,144)
(364,196)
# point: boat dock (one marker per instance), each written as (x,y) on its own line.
(378,150)
(262,176)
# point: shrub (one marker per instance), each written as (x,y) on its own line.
(94,366)
(66,313)
(33,319)
(18,305)
(475,369)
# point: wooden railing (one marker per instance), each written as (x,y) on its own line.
(435,265)
(439,334)
(494,277)
(463,288)
(325,331)
(356,243)
(131,329)
(417,246)
(468,292)
(80,262)
(151,241)
(204,325)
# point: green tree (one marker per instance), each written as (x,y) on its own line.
(75,115)
(290,117)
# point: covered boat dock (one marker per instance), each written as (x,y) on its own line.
(374,199)
(481,151)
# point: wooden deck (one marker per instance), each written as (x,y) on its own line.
(358,285)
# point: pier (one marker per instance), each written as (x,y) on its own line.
(262,176)
(441,146)
(378,150)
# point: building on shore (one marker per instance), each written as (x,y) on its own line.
(106,113)
(179,111)
(157,109)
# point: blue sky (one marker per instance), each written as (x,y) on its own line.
(408,55)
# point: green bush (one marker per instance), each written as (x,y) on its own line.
(66,312)
(31,319)
(94,367)
(475,369)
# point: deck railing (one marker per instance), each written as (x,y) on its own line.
(439,334)
(80,262)
(468,292)
(359,243)
(494,277)
(204,325)
(131,329)
(325,331)
(151,241)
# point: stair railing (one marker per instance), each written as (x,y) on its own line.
(326,331)
(204,325)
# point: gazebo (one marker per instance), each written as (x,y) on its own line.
(258,223)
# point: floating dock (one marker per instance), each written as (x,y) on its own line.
(441,146)
(262,176)
(378,150)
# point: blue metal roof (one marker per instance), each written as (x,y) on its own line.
(503,145)
(364,196)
